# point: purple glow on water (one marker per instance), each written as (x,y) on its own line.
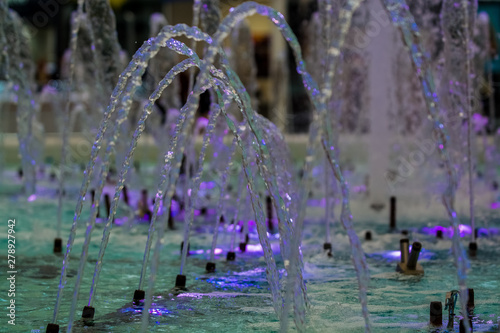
(495,205)
(158,311)
(396,255)
(392,255)
(230,228)
(190,295)
(254,248)
(359,189)
(153,311)
(257,248)
(120,220)
(275,236)
(464,229)
(448,231)
(207,185)
(201,251)
(32,198)
(252,272)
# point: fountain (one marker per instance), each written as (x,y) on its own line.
(234,172)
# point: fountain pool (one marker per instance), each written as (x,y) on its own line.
(236,297)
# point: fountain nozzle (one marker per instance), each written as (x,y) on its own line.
(52,328)
(57,245)
(88,312)
(392,216)
(269,207)
(409,264)
(472,249)
(436,313)
(180,282)
(231,256)
(139,296)
(243,246)
(210,267)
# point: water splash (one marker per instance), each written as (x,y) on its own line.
(402,18)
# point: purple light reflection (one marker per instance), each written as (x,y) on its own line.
(153,311)
(495,205)
(464,230)
(207,185)
(201,251)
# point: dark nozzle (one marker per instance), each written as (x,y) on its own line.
(404,232)
(327,246)
(472,249)
(269,208)
(436,313)
(57,245)
(231,256)
(144,208)
(203,211)
(222,220)
(88,312)
(470,300)
(139,296)
(20,172)
(125,195)
(107,203)
(52,328)
(439,234)
(171,224)
(415,252)
(182,171)
(243,247)
(404,245)
(247,239)
(180,281)
(210,267)
(392,216)
(368,235)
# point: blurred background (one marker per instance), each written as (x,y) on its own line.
(280,93)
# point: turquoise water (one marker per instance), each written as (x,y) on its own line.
(236,298)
